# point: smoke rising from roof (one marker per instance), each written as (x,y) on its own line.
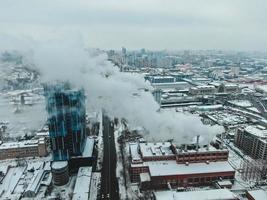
(66,59)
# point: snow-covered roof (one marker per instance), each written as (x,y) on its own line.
(254,109)
(196,195)
(33,187)
(207,107)
(21,144)
(89,147)
(200,79)
(10,181)
(202,149)
(241,103)
(224,183)
(59,164)
(155,149)
(163,149)
(82,185)
(42,134)
(262,133)
(258,194)
(168,168)
(262,87)
(230,85)
(144,177)
(170,84)
(204,87)
(134,152)
(163,77)
(216,84)
(226,117)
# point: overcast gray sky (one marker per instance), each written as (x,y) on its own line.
(153,24)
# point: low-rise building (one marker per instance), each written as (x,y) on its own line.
(162,79)
(155,165)
(82,185)
(36,182)
(156,151)
(172,85)
(21,149)
(223,194)
(228,88)
(208,154)
(164,173)
(202,90)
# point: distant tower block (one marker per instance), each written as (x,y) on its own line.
(60,172)
(123,51)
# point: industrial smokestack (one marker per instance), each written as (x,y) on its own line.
(185,148)
(198,142)
(222,139)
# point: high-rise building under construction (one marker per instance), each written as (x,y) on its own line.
(66,120)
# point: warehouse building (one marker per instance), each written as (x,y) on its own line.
(223,194)
(157,165)
(202,90)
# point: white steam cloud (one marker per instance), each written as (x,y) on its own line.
(28,120)
(106,87)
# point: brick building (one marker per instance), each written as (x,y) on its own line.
(222,194)
(157,165)
(27,148)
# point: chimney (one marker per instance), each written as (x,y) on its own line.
(185,147)
(222,138)
(198,142)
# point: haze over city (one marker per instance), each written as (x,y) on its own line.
(153,24)
(133,99)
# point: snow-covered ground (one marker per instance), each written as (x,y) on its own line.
(119,168)
(226,117)
(100,145)
(129,191)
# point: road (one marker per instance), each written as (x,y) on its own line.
(109,183)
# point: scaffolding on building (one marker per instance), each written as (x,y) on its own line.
(254,170)
(66,120)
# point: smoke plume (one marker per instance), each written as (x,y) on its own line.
(120,94)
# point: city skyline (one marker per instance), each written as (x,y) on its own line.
(133,100)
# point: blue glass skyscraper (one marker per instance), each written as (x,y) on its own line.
(66,120)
